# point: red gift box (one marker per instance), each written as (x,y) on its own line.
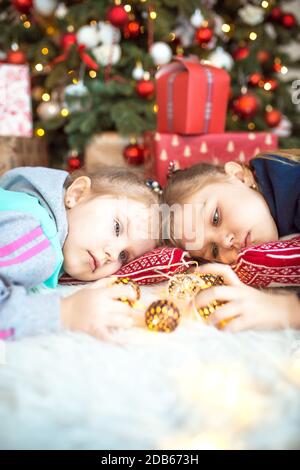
(192,97)
(184,151)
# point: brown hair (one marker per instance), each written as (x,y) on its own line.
(116,181)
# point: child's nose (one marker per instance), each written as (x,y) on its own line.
(228,240)
(111,254)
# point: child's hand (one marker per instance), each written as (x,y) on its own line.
(95,309)
(252,308)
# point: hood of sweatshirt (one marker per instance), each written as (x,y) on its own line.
(47,185)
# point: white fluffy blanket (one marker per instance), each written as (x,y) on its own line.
(196,388)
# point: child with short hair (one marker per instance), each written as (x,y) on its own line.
(85,224)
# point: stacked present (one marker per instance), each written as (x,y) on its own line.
(192,102)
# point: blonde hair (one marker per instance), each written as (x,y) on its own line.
(116,181)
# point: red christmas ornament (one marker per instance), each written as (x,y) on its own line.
(23,6)
(241,53)
(117,16)
(246,106)
(288,20)
(16,57)
(68,40)
(203,35)
(134,154)
(277,67)
(254,79)
(263,56)
(273,117)
(145,88)
(74,163)
(276,14)
(132,29)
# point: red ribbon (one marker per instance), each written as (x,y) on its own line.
(83,55)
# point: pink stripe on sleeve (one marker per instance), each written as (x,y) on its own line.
(35,250)
(5,334)
(11,247)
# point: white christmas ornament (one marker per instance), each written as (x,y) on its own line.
(48,110)
(88,36)
(161,53)
(61,11)
(78,89)
(252,15)
(138,72)
(108,34)
(197,18)
(107,54)
(45,7)
(221,58)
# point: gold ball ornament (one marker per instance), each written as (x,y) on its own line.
(129,282)
(187,286)
(162,316)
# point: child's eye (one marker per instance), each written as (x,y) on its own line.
(216,217)
(214,251)
(123,256)
(117,227)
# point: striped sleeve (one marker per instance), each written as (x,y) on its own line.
(27,258)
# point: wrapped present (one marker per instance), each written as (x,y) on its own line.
(184,151)
(15,101)
(21,151)
(192,97)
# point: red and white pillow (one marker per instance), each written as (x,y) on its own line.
(273,264)
(153,267)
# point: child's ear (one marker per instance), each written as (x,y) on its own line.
(235,169)
(79,190)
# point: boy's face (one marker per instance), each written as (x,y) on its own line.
(227,216)
(105,233)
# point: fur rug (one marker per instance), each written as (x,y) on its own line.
(197,388)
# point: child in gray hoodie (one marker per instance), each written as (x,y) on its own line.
(87,225)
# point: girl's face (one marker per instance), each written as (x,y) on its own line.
(104,233)
(229,215)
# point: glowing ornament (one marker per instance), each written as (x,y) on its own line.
(129,282)
(162,316)
(161,53)
(254,79)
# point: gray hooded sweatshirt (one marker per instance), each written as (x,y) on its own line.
(27,258)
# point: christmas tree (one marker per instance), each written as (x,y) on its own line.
(93,62)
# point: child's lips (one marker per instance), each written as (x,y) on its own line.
(94,262)
(247,241)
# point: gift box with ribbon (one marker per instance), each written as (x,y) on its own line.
(185,150)
(192,97)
